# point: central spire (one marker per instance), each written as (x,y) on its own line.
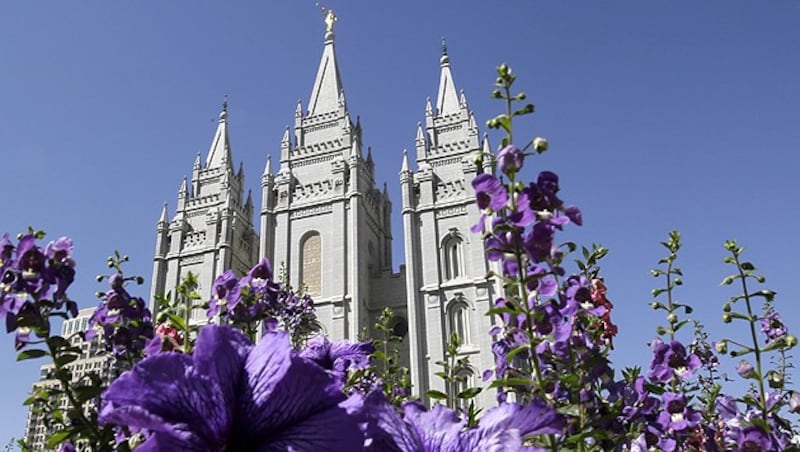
(327,95)
(447,100)
(219,153)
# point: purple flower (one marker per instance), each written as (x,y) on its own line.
(225,291)
(671,360)
(574,214)
(677,414)
(440,429)
(490,193)
(125,321)
(726,407)
(772,326)
(510,159)
(231,395)
(636,400)
(338,357)
(753,439)
(745,369)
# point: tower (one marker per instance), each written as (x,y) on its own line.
(322,218)
(212,229)
(446,270)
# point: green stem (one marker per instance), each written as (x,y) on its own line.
(756,348)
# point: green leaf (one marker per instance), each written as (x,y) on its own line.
(516,351)
(469,393)
(57,438)
(436,395)
(63,360)
(31,354)
(57,342)
(85,393)
(177,321)
(511,382)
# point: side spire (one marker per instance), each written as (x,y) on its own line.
(163,218)
(327,94)
(447,100)
(405,167)
(268,166)
(220,151)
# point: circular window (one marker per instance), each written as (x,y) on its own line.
(400,327)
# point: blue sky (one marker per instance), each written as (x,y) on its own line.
(660,115)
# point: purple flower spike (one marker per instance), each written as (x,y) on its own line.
(231,395)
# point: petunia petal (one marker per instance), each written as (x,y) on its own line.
(284,390)
(167,387)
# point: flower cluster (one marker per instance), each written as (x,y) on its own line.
(257,300)
(33,283)
(125,320)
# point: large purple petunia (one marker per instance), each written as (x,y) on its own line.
(231,395)
(440,429)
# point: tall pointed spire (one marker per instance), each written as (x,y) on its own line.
(268,166)
(220,150)
(447,100)
(163,218)
(405,167)
(327,94)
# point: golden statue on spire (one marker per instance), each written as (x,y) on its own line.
(330,19)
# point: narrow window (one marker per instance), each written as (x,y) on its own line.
(453,257)
(459,321)
(311,259)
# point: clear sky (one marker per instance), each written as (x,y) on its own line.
(660,115)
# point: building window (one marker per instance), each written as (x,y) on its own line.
(458,320)
(453,248)
(311,264)
(464,379)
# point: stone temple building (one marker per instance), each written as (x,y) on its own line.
(323,218)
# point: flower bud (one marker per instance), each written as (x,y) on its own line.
(510,159)
(794,402)
(790,341)
(672,318)
(727,318)
(745,369)
(774,379)
(721,347)
(477,158)
(540,144)
(654,305)
(726,307)
(661,330)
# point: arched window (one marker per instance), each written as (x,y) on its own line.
(311,263)
(453,249)
(458,320)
